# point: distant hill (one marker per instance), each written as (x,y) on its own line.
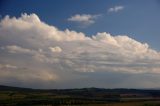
(11,88)
(86,91)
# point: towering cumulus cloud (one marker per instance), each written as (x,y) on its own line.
(35,54)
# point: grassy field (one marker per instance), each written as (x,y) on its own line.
(8,98)
(12,96)
(150,103)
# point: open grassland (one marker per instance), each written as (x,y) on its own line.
(12,96)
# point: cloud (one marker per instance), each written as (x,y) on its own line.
(7,66)
(83,19)
(35,54)
(116,9)
(12,73)
(55,49)
(35,28)
(17,49)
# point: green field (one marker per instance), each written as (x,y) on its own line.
(13,96)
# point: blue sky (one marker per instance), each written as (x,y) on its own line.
(80,43)
(139,19)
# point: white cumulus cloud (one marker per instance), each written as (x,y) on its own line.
(36,53)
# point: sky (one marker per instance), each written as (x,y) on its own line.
(76,44)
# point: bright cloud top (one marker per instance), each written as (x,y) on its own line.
(33,52)
(116,9)
(55,49)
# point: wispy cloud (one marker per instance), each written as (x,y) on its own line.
(17,49)
(7,66)
(83,19)
(116,9)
